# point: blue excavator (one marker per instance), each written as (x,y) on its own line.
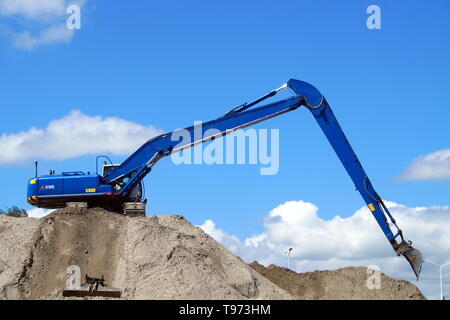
(119,187)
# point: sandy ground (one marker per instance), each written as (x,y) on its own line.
(156,257)
(346,283)
(16,241)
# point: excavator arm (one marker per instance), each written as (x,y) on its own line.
(317,104)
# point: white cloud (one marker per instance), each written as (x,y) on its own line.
(38,212)
(75,135)
(229,241)
(53,34)
(37,22)
(433,166)
(352,241)
(33,9)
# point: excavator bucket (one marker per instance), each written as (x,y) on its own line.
(415,259)
(413,256)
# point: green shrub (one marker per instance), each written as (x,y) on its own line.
(14,212)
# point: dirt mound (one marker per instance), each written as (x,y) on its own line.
(346,283)
(156,257)
(16,239)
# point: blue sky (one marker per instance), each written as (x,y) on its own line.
(166,64)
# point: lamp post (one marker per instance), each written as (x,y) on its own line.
(288,252)
(440,266)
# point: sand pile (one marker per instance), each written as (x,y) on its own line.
(155,257)
(346,283)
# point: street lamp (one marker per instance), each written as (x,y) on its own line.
(288,252)
(440,266)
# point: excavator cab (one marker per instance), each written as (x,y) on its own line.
(137,194)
